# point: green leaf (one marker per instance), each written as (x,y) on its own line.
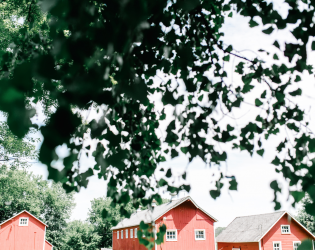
(296,92)
(168,173)
(233,184)
(226,58)
(200,98)
(231,14)
(261,152)
(252,23)
(268,31)
(313,45)
(275,56)
(297,78)
(306,245)
(263,95)
(276,44)
(258,102)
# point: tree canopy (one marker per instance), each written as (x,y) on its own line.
(21,190)
(80,235)
(109,55)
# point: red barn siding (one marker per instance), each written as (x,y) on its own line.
(185,218)
(242,246)
(31,237)
(297,234)
(129,243)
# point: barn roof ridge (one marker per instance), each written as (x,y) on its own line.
(21,213)
(149,216)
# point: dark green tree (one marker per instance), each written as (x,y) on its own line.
(305,218)
(80,235)
(21,190)
(106,55)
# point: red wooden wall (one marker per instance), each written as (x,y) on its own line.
(31,237)
(242,246)
(185,218)
(297,234)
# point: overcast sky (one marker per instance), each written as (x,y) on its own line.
(254,174)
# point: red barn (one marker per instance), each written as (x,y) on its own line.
(273,231)
(23,231)
(188,227)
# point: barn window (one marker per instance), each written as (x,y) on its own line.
(200,234)
(285,229)
(131,233)
(23,222)
(122,234)
(126,233)
(296,244)
(136,236)
(171,235)
(277,245)
(117,234)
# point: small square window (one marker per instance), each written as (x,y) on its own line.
(23,222)
(285,229)
(122,234)
(117,234)
(277,245)
(296,244)
(200,234)
(131,233)
(171,235)
(126,233)
(136,231)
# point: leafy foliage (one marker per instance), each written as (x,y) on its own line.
(106,54)
(16,151)
(21,190)
(80,235)
(101,223)
(304,217)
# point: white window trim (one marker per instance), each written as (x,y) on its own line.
(236,248)
(286,226)
(131,233)
(122,234)
(273,245)
(126,233)
(204,233)
(136,231)
(297,242)
(171,230)
(23,225)
(117,235)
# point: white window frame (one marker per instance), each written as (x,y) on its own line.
(23,218)
(273,245)
(297,242)
(117,235)
(122,234)
(236,248)
(285,232)
(171,230)
(131,233)
(126,233)
(204,234)
(136,232)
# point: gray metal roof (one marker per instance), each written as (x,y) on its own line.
(148,216)
(249,228)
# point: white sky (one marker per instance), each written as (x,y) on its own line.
(253,174)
